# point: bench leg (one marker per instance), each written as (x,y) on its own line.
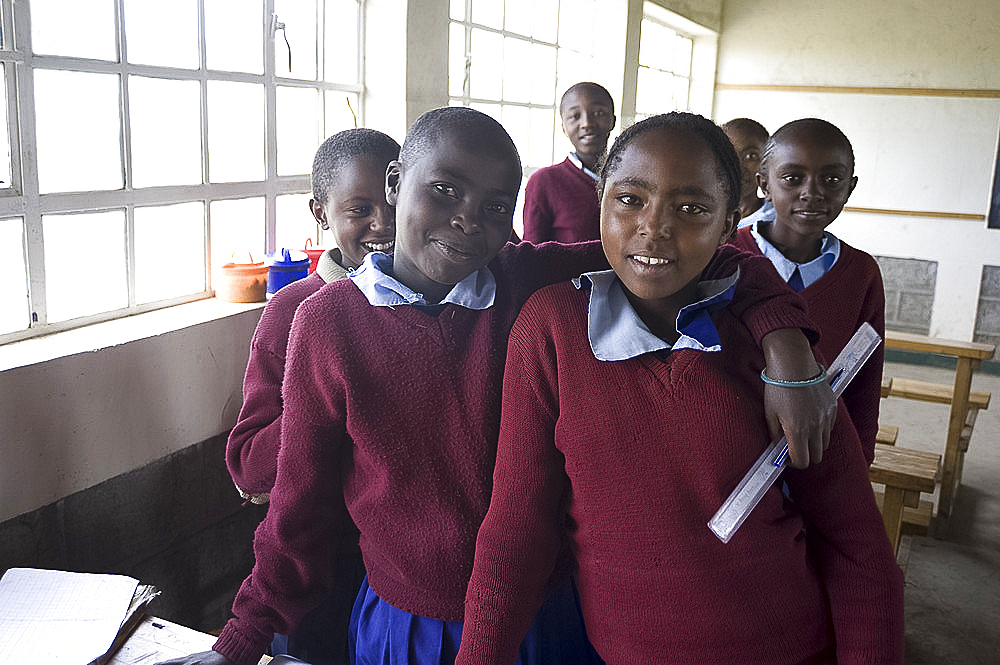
(892,514)
(951,471)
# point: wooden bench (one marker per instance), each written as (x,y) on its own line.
(887,434)
(905,474)
(964,402)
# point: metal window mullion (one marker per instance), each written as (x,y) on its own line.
(362,69)
(25,108)
(203,119)
(270,132)
(125,126)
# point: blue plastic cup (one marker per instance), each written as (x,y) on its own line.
(284,267)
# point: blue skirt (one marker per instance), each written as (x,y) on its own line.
(381,634)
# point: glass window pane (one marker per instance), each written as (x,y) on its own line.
(456,60)
(298,128)
(653,92)
(295,223)
(299,17)
(457,11)
(486,72)
(6,177)
(543,127)
(515,120)
(341,110)
(682,55)
(518,16)
(237,232)
(517,68)
(341,53)
(234,32)
(166,139)
(79,143)
(235,131)
(14,312)
(162,33)
(79,28)
(543,74)
(546,20)
(488,13)
(576,26)
(169,251)
(84,255)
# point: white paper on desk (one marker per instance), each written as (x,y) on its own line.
(54,616)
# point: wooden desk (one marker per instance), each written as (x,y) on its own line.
(905,474)
(155,640)
(969,356)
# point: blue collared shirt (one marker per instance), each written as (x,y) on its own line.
(616,332)
(579,164)
(375,280)
(809,272)
(765,213)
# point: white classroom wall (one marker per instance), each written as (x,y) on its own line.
(916,87)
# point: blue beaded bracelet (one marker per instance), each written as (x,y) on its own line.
(805,383)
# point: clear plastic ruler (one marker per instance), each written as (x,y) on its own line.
(772,462)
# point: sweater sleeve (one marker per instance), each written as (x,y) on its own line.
(519,540)
(293,546)
(764,302)
(537,213)
(851,551)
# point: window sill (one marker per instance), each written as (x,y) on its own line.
(119,331)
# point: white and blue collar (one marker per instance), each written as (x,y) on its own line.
(811,271)
(374,278)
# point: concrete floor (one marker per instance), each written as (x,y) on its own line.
(953,575)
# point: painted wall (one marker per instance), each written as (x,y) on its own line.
(73,422)
(927,150)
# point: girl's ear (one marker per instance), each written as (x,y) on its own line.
(762,184)
(392,182)
(319,214)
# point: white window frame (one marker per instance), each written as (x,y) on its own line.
(22,198)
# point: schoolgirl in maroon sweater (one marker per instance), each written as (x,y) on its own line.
(632,406)
(392,403)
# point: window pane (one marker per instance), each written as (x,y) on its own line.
(234,32)
(295,224)
(456,60)
(84,255)
(515,120)
(237,232)
(79,143)
(653,92)
(341,41)
(80,28)
(546,20)
(457,11)
(299,17)
(486,73)
(162,33)
(6,177)
(341,109)
(298,129)
(576,26)
(517,68)
(543,123)
(488,13)
(169,251)
(14,314)
(543,74)
(518,16)
(166,139)
(235,131)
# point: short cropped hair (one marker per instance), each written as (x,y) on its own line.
(432,125)
(827,130)
(748,125)
(720,145)
(339,150)
(597,88)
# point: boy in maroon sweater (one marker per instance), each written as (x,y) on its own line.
(348,181)
(560,201)
(392,405)
(631,481)
(807,171)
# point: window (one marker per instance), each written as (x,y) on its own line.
(513,59)
(147,143)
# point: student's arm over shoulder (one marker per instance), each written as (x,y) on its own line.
(524,268)
(851,551)
(252,447)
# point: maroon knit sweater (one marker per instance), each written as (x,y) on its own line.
(840,301)
(561,204)
(397,413)
(639,454)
